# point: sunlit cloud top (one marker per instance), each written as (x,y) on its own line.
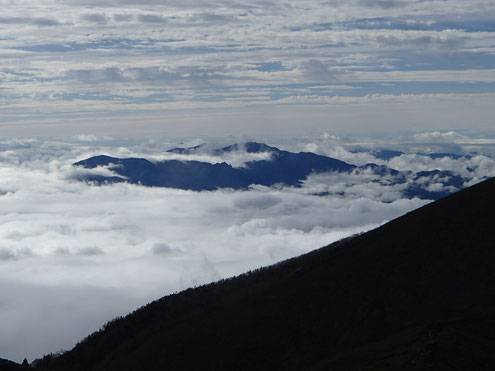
(92,63)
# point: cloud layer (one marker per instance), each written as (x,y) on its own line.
(120,60)
(73,256)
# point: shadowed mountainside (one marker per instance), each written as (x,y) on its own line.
(283,167)
(416,293)
(6,365)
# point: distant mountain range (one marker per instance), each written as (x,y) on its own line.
(415,294)
(282,167)
(386,154)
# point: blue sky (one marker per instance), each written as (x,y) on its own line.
(238,67)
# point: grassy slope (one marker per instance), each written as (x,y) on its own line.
(416,293)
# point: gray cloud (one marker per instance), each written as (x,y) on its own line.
(41,22)
(109,74)
(30,311)
(192,76)
(6,254)
(426,41)
(163,248)
(438,136)
(180,4)
(316,70)
(122,17)
(387,4)
(91,251)
(214,18)
(152,18)
(257,201)
(95,18)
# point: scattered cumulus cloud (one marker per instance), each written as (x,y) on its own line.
(67,61)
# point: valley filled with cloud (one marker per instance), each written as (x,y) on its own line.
(74,254)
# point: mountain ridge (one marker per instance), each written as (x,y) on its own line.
(283,167)
(413,294)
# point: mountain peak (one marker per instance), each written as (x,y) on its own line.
(283,167)
(250,147)
(280,167)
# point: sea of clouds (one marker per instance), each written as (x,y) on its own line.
(75,255)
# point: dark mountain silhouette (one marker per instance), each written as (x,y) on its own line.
(417,293)
(192,175)
(282,168)
(6,365)
(449,155)
(186,151)
(386,154)
(249,147)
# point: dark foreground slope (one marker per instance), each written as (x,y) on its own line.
(413,294)
(6,365)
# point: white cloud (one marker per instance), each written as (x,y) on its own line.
(77,255)
(65,240)
(127,57)
(438,136)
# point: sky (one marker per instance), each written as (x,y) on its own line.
(136,78)
(183,68)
